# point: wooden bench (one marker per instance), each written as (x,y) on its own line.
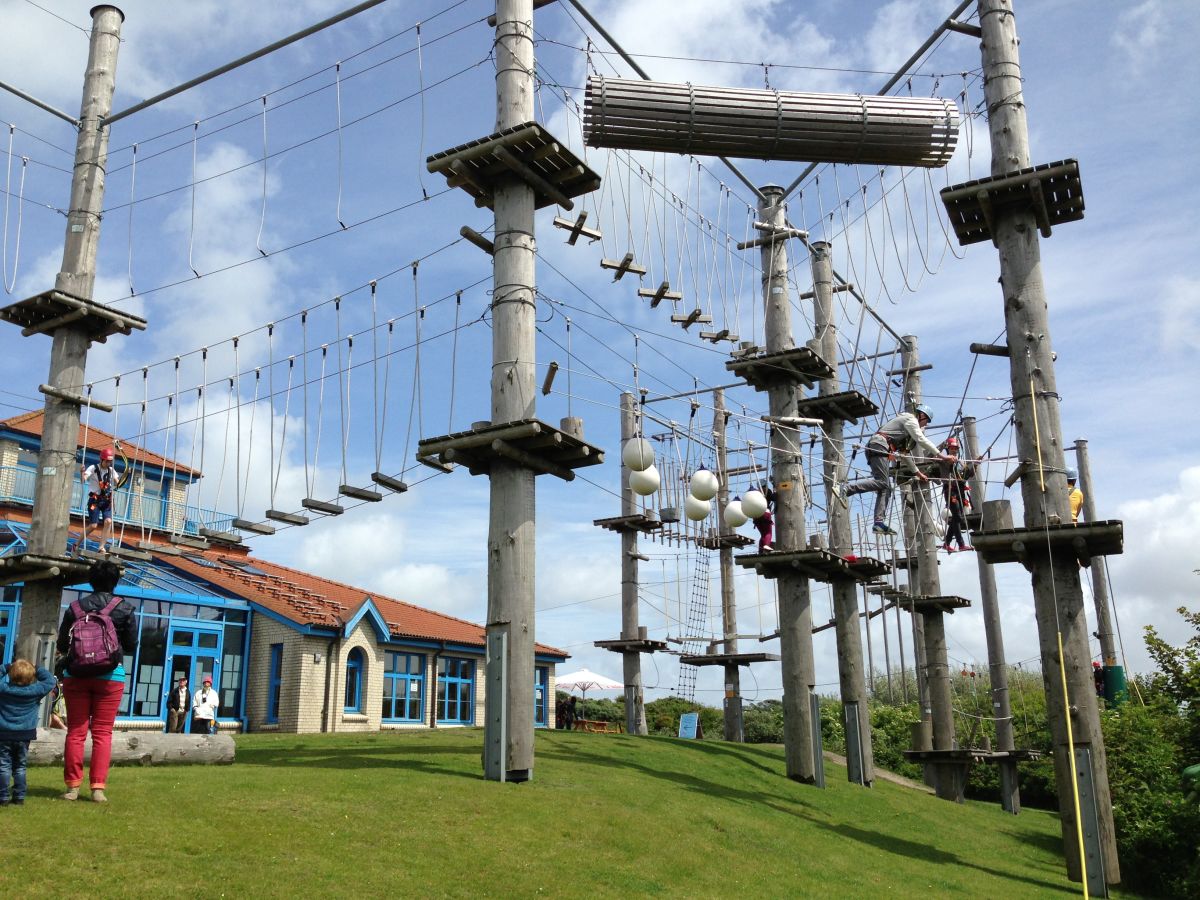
(596,726)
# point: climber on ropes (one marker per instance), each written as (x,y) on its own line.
(1075,495)
(100,481)
(897,438)
(957,494)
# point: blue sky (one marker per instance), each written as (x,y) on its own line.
(1124,304)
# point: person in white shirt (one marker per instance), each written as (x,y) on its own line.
(204,708)
(100,481)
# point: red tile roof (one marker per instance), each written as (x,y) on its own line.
(311,600)
(30,423)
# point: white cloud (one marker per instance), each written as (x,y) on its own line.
(1140,31)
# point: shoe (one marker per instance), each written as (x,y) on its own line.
(948,548)
(71,794)
(964,547)
(767,548)
(20,802)
(5,802)
(882,528)
(98,795)
(838,490)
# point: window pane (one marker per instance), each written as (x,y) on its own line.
(207,639)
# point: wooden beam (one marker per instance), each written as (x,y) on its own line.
(532,178)
(474,237)
(76,399)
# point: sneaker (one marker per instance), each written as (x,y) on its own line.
(838,490)
(71,794)
(98,795)
(20,802)
(882,528)
(767,548)
(948,548)
(5,802)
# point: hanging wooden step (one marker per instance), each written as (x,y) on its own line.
(632,645)
(716,337)
(395,485)
(639,522)
(796,365)
(128,553)
(231,538)
(732,540)
(46,312)
(358,493)
(183,540)
(576,228)
(535,445)
(526,151)
(659,294)
(928,604)
(322,506)
(818,565)
(165,549)
(622,266)
(728,659)
(687,320)
(254,527)
(289,518)
(1052,191)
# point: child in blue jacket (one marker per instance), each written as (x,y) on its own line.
(21,690)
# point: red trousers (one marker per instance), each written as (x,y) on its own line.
(91,703)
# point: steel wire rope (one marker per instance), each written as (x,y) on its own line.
(8,288)
(129,225)
(344,408)
(338,94)
(262,219)
(192,220)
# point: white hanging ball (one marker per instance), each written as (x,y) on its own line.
(696,509)
(644,482)
(733,515)
(754,504)
(704,484)
(638,455)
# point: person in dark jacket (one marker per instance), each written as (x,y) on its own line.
(21,690)
(178,702)
(93,701)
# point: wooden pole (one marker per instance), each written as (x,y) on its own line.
(1010,793)
(1104,628)
(57,467)
(795,601)
(511,527)
(635,698)
(929,584)
(856,711)
(733,676)
(1058,595)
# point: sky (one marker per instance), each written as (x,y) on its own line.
(208,242)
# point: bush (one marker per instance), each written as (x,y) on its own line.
(762,723)
(662,717)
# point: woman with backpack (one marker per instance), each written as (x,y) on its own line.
(96,633)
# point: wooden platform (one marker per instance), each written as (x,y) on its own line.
(728,659)
(639,522)
(526,151)
(733,540)
(866,568)
(849,406)
(762,371)
(1079,542)
(25,567)
(633,645)
(923,604)
(44,313)
(819,565)
(1053,191)
(971,754)
(535,445)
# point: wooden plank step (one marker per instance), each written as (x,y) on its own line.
(390,482)
(255,527)
(290,518)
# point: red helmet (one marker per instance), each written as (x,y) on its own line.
(107,454)
(1095,665)
(952,442)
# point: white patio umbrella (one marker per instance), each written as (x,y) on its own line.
(586,680)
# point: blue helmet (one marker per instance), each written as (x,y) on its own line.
(923,410)
(1072,475)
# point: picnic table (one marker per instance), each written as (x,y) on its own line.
(598,726)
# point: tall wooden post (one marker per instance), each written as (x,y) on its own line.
(795,601)
(1010,794)
(1104,627)
(40,600)
(1058,595)
(860,758)
(733,675)
(913,544)
(635,698)
(511,538)
(929,584)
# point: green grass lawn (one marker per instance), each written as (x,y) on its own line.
(410,815)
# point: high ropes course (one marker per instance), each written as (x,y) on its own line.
(671,289)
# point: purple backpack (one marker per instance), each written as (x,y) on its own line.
(94,648)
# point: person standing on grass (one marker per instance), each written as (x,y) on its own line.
(177,707)
(21,691)
(204,708)
(93,686)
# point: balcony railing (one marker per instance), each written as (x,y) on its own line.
(131,508)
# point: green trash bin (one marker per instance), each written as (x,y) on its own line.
(1116,688)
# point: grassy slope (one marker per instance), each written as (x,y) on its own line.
(609,815)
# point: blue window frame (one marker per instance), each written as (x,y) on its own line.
(404,687)
(455,691)
(541,685)
(274,682)
(354,680)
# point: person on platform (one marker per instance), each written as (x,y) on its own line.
(956,491)
(100,481)
(177,707)
(22,688)
(899,437)
(204,708)
(766,522)
(1100,678)
(1075,495)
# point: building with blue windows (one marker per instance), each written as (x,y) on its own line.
(286,650)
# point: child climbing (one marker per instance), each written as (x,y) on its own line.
(957,494)
(100,481)
(898,437)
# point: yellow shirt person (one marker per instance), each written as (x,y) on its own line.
(1075,495)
